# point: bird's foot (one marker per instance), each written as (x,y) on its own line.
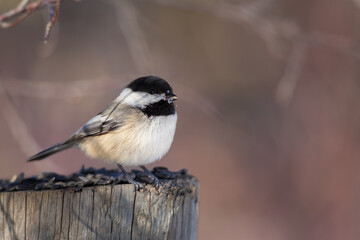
(137,184)
(154,180)
(130,180)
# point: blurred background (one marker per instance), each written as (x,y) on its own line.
(268,108)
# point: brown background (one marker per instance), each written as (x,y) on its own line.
(268,102)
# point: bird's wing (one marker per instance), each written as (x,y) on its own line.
(107,121)
(98,125)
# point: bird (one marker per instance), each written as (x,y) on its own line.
(136,129)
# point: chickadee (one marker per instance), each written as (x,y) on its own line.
(136,129)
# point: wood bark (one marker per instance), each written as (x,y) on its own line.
(101,212)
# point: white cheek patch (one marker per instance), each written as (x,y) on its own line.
(138,99)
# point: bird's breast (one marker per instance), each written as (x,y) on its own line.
(139,142)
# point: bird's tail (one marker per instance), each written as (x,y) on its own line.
(50,151)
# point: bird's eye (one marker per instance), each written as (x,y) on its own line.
(167,92)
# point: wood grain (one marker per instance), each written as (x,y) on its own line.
(101,212)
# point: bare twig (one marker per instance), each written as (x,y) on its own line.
(25,8)
(18,14)
(292,72)
(54,13)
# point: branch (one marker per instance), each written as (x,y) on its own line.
(293,70)
(25,8)
(54,13)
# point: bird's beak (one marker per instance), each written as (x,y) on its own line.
(171,97)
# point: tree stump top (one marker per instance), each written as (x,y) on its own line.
(96,204)
(172,181)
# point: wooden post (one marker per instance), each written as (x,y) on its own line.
(102,212)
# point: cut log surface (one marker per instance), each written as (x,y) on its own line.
(104,211)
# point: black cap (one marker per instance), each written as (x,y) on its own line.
(150,84)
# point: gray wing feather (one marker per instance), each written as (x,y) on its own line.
(107,121)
